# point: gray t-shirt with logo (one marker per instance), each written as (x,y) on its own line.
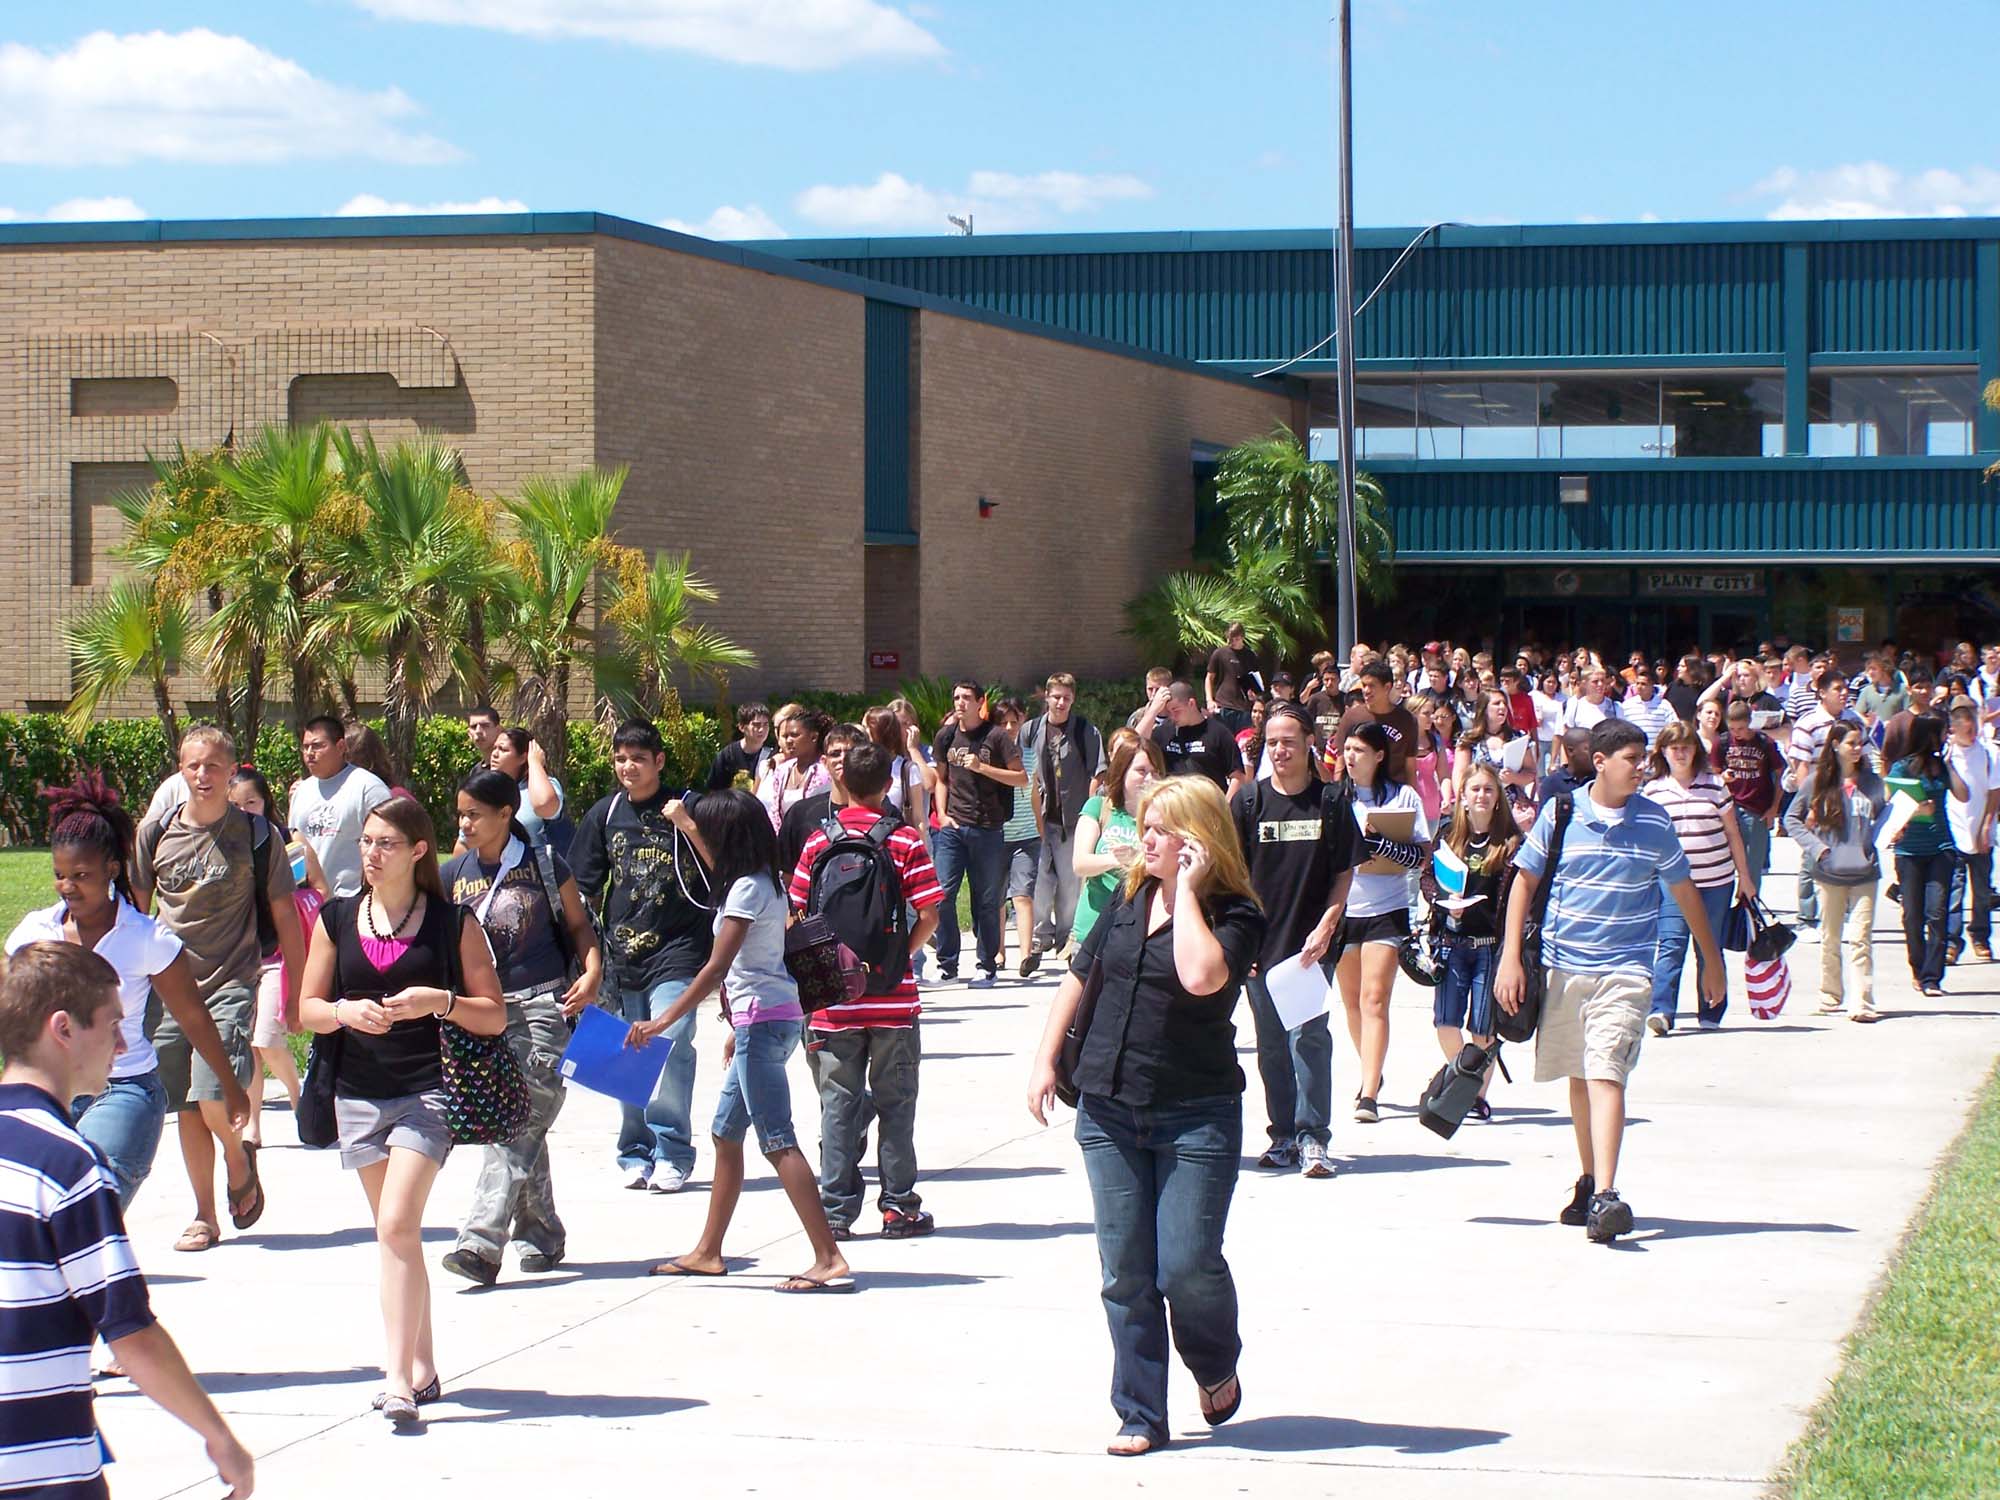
(328,814)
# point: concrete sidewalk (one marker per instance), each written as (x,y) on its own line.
(1420,1323)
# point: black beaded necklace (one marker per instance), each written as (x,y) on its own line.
(375,917)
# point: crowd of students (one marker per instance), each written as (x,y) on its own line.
(1222,832)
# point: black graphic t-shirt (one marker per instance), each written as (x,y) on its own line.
(519,924)
(1295,847)
(633,867)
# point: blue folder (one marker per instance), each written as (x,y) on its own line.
(598,1058)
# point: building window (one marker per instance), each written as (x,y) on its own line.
(1602,414)
(1892,413)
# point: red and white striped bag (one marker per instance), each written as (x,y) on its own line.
(1770,985)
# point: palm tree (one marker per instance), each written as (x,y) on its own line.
(175,530)
(563,549)
(425,556)
(1188,614)
(290,510)
(652,611)
(1274,493)
(134,630)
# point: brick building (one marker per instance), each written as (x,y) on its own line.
(819,442)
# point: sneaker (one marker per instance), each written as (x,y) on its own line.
(1710,1025)
(1482,1111)
(986,975)
(1659,1023)
(472,1266)
(1933,992)
(1578,1212)
(1313,1160)
(668,1179)
(1610,1216)
(900,1225)
(535,1263)
(638,1178)
(1029,964)
(1279,1156)
(947,974)
(1365,1112)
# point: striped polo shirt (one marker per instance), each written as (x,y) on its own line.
(1650,714)
(67,1275)
(1698,810)
(1604,905)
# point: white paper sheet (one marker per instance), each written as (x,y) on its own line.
(1514,754)
(1902,808)
(1298,992)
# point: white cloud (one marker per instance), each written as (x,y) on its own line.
(1873,190)
(803,35)
(731,223)
(78,211)
(191,96)
(368,205)
(999,202)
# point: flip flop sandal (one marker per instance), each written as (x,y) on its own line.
(802,1286)
(198,1236)
(1221,1414)
(423,1396)
(675,1268)
(251,1193)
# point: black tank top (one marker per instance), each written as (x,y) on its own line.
(404,1060)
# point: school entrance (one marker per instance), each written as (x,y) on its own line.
(1663,611)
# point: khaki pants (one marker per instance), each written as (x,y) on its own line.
(1838,905)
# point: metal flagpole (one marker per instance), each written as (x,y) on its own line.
(1347,625)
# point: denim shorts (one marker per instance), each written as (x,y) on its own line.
(1023,861)
(125,1123)
(370,1127)
(1464,999)
(755,1091)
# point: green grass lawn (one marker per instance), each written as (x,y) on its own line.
(1915,1411)
(25,884)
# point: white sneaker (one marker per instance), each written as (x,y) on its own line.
(668,1180)
(1313,1159)
(1658,1024)
(637,1179)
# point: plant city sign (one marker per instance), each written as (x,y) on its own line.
(1702,582)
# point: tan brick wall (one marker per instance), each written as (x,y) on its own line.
(735,396)
(491,338)
(1089,456)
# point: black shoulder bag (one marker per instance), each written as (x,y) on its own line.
(1520,1026)
(314,1118)
(1070,1054)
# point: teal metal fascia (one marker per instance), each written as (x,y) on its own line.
(1738,559)
(1986,424)
(1478,236)
(1525,364)
(1886,295)
(1781,512)
(1790,463)
(889,538)
(1798,348)
(885,420)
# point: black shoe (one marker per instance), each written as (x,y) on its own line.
(1578,1212)
(1365,1112)
(947,974)
(898,1225)
(535,1263)
(1029,964)
(1610,1216)
(472,1266)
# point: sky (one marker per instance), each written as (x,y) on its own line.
(811,118)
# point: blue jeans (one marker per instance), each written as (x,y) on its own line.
(662,1134)
(1297,1069)
(980,853)
(1670,949)
(1160,1184)
(124,1122)
(755,1090)
(1756,842)
(1975,871)
(1926,881)
(1464,999)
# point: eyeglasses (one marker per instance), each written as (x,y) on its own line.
(384,846)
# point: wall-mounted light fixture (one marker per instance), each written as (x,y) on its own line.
(986,508)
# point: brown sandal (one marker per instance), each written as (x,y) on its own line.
(250,1194)
(198,1236)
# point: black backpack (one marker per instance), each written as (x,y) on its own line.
(856,886)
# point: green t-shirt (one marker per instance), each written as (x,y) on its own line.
(1118,830)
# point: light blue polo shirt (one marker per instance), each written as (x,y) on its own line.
(1604,909)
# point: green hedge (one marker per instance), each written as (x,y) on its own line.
(36,750)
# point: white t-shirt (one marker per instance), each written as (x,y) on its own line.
(168,795)
(138,948)
(328,814)
(1978,766)
(1548,714)
(1581,713)
(759,987)
(1373,895)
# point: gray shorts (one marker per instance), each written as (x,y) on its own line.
(186,1077)
(370,1127)
(1023,860)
